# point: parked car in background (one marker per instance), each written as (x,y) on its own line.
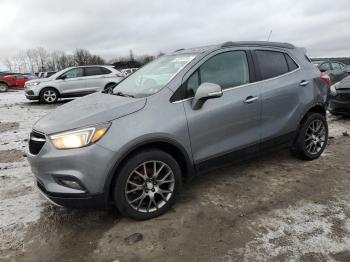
(128,71)
(73,82)
(48,74)
(14,81)
(216,105)
(336,70)
(5,73)
(339,97)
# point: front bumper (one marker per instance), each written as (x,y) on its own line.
(97,201)
(338,107)
(89,166)
(32,97)
(31,94)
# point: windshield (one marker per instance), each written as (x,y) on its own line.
(153,77)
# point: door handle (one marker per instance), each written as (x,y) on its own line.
(250,99)
(304,83)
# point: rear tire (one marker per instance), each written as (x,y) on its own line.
(3,87)
(48,95)
(312,137)
(141,196)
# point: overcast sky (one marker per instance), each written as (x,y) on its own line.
(111,28)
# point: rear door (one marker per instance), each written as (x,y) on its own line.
(281,84)
(226,127)
(95,77)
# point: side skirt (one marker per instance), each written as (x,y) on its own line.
(246,153)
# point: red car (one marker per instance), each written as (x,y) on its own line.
(13,81)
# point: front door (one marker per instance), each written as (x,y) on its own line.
(72,83)
(226,127)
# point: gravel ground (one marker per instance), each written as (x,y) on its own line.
(274,208)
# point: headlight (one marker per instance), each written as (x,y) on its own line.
(32,83)
(79,138)
(333,90)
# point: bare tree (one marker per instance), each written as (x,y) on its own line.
(39,59)
(42,55)
(8,63)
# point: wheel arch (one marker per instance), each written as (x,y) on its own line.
(315,108)
(109,83)
(167,145)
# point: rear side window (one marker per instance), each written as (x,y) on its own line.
(105,71)
(290,62)
(271,63)
(337,66)
(93,71)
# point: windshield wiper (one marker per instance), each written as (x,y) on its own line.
(123,94)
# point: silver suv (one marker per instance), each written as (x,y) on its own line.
(178,116)
(73,82)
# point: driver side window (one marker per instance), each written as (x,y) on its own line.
(227,69)
(73,73)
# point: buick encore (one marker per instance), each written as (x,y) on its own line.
(73,82)
(180,115)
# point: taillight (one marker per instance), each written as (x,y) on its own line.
(326,79)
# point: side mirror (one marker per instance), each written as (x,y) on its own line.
(204,92)
(63,77)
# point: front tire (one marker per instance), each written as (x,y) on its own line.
(147,185)
(109,88)
(312,137)
(3,87)
(49,95)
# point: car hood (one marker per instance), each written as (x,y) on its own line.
(343,84)
(39,80)
(89,110)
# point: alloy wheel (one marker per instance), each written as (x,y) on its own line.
(50,96)
(150,186)
(315,137)
(109,90)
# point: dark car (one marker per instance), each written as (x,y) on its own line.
(339,97)
(336,70)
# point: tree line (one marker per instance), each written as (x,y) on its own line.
(40,60)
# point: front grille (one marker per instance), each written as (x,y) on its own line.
(36,142)
(343,97)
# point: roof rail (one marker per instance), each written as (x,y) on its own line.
(258,43)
